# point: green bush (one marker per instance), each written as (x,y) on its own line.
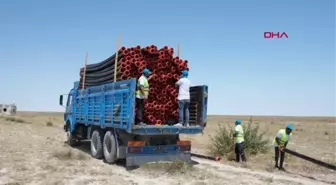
(222,142)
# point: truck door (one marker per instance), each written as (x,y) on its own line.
(198,105)
(69,108)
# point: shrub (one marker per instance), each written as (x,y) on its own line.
(222,142)
(69,155)
(49,124)
(17,120)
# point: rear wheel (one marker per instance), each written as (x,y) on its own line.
(110,147)
(96,145)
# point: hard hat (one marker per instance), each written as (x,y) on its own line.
(238,122)
(147,71)
(289,126)
(184,73)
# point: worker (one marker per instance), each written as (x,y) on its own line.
(239,141)
(183,99)
(280,142)
(141,95)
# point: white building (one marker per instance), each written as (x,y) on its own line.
(8,109)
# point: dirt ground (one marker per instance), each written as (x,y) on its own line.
(33,152)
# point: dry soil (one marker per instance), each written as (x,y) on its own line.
(33,152)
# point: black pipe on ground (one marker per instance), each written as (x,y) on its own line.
(214,158)
(307,158)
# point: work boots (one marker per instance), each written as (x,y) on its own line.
(237,158)
(243,158)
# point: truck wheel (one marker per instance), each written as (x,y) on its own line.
(110,147)
(70,138)
(96,145)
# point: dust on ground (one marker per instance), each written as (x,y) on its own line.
(33,152)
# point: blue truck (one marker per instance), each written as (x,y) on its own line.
(105,115)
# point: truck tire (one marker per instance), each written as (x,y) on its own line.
(110,147)
(70,138)
(96,145)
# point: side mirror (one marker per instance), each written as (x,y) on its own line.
(61,100)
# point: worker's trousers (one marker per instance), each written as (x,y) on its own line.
(140,108)
(282,157)
(239,150)
(183,109)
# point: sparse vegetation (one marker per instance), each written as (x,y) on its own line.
(44,156)
(14,119)
(69,155)
(222,143)
(269,180)
(177,167)
(13,183)
(49,124)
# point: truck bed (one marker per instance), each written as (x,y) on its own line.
(113,105)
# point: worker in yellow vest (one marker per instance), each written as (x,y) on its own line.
(280,142)
(239,141)
(141,95)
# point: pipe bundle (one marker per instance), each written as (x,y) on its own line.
(161,106)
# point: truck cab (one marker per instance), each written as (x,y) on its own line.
(68,116)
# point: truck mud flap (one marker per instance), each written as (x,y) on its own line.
(138,154)
(136,160)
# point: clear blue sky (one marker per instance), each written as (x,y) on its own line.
(43,45)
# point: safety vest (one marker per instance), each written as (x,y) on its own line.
(240,136)
(138,93)
(283,139)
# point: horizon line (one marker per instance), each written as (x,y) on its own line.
(266,115)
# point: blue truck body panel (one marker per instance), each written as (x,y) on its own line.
(113,106)
(110,105)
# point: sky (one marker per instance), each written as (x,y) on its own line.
(43,45)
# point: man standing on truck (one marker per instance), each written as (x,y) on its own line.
(280,142)
(141,95)
(183,99)
(239,141)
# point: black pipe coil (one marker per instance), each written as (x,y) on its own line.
(102,65)
(100,74)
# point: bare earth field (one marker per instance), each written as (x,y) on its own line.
(32,151)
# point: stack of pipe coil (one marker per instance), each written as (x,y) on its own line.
(166,70)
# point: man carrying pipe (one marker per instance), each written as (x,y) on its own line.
(183,99)
(280,142)
(142,95)
(239,141)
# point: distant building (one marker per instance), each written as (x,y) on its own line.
(8,109)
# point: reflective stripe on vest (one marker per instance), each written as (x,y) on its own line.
(240,136)
(284,137)
(146,88)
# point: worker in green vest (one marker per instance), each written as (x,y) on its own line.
(239,141)
(142,95)
(280,142)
